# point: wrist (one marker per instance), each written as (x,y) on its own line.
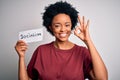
(21,58)
(21,54)
(88,42)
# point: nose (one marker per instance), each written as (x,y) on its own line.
(62,28)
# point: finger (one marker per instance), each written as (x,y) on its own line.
(20,47)
(75,32)
(21,43)
(78,29)
(83,21)
(87,25)
(79,19)
(81,24)
(24,48)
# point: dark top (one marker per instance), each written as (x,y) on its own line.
(50,63)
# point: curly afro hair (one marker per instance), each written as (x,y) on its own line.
(57,8)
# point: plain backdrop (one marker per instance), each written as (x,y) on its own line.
(21,15)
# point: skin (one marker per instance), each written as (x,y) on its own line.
(61,28)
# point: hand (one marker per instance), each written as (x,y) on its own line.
(21,48)
(82,31)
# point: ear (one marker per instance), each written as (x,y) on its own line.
(50,28)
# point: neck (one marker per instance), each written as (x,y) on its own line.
(63,45)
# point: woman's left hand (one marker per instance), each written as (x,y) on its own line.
(82,31)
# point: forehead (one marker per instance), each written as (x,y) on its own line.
(61,18)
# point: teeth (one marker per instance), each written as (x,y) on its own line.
(63,35)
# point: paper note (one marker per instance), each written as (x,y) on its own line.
(31,35)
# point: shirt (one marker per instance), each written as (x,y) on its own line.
(51,63)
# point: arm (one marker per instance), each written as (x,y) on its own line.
(21,47)
(99,71)
(22,70)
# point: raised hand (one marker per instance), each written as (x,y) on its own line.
(82,31)
(21,47)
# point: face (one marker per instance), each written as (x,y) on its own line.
(61,27)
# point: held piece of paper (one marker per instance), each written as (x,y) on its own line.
(31,35)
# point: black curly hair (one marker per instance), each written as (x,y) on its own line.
(57,8)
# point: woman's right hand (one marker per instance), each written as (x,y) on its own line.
(21,48)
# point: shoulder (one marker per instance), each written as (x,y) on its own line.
(45,46)
(81,48)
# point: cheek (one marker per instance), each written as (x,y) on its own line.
(69,29)
(55,30)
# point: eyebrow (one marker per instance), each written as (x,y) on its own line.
(59,23)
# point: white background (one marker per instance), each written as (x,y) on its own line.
(21,15)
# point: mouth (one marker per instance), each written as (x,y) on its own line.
(63,35)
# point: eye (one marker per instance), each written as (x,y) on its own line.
(67,25)
(56,25)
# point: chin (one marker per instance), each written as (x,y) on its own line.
(62,39)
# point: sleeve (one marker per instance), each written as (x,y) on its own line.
(87,63)
(32,72)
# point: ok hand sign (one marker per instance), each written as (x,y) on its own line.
(82,31)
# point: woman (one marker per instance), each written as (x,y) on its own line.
(62,59)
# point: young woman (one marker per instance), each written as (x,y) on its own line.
(62,59)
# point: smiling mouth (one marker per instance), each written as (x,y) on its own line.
(63,35)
